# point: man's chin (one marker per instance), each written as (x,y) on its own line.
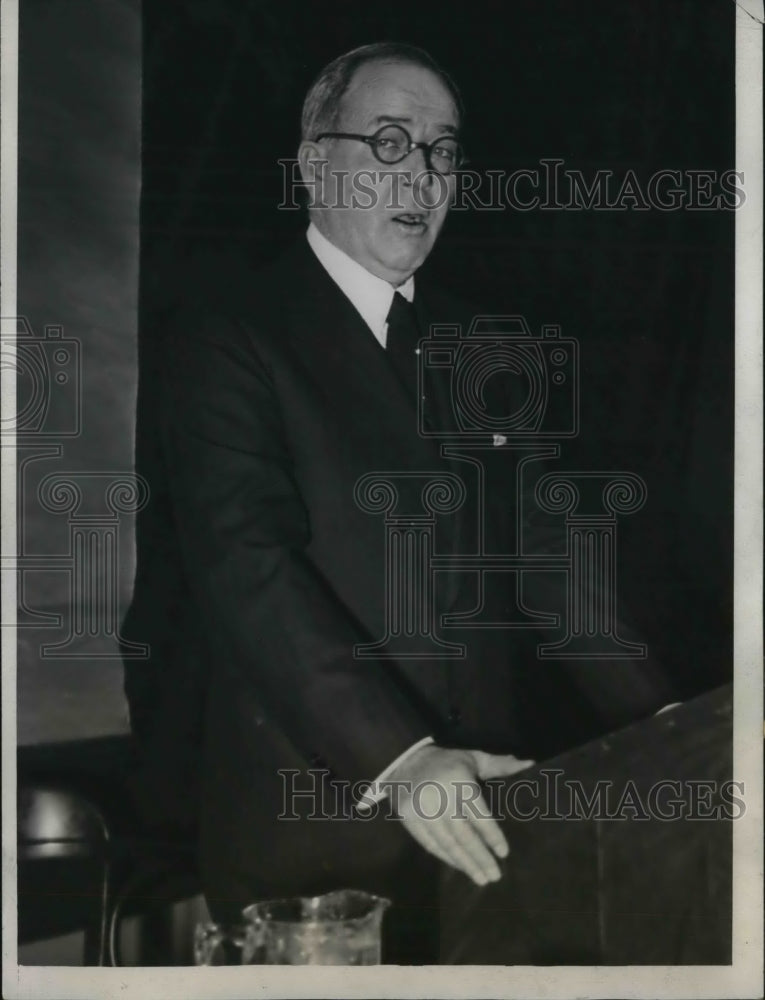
(405,256)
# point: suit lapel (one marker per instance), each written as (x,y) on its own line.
(352,363)
(373,411)
(431,311)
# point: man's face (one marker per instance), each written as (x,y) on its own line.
(393,237)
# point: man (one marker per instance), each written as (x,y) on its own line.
(260,575)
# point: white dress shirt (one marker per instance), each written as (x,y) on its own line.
(370,295)
(372,298)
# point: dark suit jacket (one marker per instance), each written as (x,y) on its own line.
(258,573)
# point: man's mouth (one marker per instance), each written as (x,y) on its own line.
(412,221)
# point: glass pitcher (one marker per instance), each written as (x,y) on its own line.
(219,944)
(338,928)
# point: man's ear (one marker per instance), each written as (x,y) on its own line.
(312,160)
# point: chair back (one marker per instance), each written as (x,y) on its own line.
(63,867)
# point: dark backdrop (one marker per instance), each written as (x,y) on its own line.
(648,294)
(78,190)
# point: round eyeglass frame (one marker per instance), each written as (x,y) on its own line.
(411,145)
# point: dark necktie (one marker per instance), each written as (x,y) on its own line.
(402,342)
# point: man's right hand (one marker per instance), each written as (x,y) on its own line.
(441,806)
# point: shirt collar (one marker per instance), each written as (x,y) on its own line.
(371,296)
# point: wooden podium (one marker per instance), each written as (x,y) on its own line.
(621,852)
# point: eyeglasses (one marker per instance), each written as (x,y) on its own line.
(392,144)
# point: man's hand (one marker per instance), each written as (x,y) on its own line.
(441,806)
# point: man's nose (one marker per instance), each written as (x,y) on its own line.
(415,165)
(421,156)
(431,188)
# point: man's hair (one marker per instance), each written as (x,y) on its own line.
(321,107)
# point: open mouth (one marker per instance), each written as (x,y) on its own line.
(411,221)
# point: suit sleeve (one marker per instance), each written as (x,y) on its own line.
(274,624)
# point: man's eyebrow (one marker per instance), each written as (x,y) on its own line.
(404,120)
